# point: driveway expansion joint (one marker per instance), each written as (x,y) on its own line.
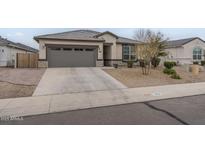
(5,106)
(49,105)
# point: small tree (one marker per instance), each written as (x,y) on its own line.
(144,58)
(151,45)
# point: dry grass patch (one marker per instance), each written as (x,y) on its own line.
(133,77)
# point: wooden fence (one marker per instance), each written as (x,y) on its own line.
(26,60)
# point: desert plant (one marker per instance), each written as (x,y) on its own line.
(169,71)
(130,64)
(203,63)
(155,62)
(175,76)
(169,64)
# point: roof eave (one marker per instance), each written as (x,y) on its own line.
(37,39)
(179,46)
(127,43)
(194,39)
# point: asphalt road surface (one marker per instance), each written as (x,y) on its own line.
(178,111)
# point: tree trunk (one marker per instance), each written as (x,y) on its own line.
(146,69)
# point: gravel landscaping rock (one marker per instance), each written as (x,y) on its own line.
(133,77)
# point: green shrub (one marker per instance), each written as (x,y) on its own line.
(196,63)
(174,63)
(169,64)
(130,64)
(155,61)
(203,63)
(175,76)
(169,71)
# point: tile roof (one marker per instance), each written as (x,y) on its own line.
(181,42)
(88,35)
(9,43)
(72,35)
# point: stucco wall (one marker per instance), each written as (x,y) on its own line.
(175,54)
(119,51)
(4,55)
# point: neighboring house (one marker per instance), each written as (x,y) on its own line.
(84,48)
(8,50)
(185,51)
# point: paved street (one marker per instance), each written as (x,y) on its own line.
(186,110)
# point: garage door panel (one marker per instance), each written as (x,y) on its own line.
(61,58)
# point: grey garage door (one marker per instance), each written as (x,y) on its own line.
(71,56)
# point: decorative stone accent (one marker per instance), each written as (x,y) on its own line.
(42,64)
(100,63)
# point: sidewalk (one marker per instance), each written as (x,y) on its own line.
(74,101)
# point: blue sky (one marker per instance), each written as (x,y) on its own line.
(25,35)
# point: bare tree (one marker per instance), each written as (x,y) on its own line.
(151,45)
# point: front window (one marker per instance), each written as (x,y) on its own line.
(128,52)
(197,54)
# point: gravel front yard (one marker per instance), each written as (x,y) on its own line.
(19,82)
(132,77)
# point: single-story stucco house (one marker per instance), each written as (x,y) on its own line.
(87,48)
(9,49)
(84,48)
(185,51)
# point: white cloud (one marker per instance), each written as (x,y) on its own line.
(19,34)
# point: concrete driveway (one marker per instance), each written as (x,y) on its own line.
(71,80)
